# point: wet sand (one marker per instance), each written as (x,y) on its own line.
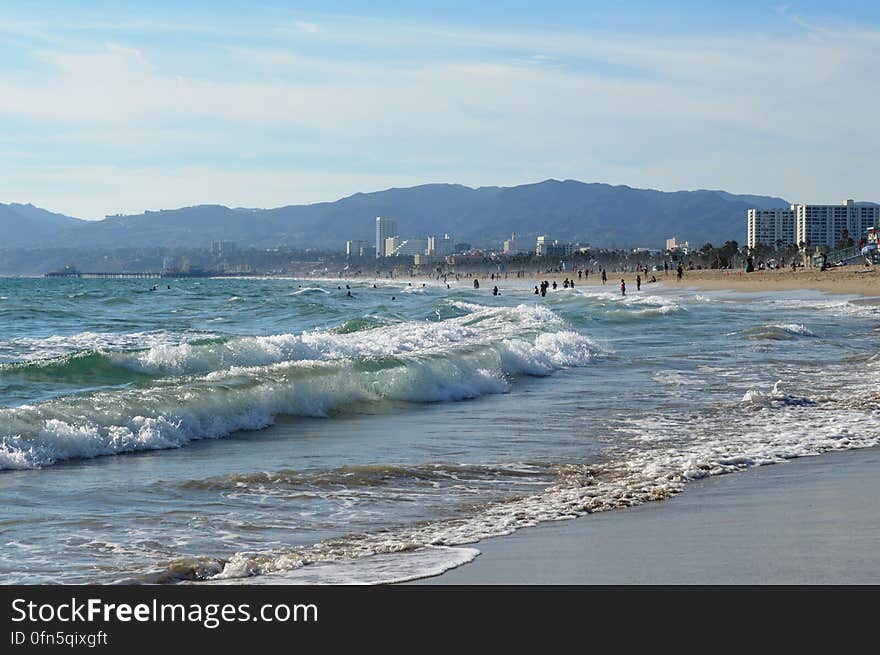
(814,520)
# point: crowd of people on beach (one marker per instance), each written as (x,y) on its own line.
(643,276)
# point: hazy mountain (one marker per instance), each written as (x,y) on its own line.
(29,226)
(600,214)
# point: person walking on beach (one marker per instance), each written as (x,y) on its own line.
(665,267)
(680,270)
(604,277)
(622,287)
(639,282)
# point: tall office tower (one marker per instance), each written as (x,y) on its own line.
(385,228)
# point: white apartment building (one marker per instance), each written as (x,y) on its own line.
(767,226)
(385,228)
(815,225)
(547,248)
(391,244)
(397,247)
(822,225)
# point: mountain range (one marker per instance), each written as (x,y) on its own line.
(598,214)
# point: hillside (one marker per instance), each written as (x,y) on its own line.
(29,226)
(600,214)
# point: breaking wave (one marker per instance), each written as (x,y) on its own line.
(778,332)
(216,388)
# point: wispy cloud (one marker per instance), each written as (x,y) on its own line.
(358,101)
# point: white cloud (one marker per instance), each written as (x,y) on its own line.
(780,115)
(305,26)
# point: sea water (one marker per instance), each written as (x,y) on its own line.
(260,430)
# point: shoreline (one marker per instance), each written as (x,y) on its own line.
(810,520)
(851,280)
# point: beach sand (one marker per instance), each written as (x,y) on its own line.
(814,520)
(850,280)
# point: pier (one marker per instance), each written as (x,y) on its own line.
(77,274)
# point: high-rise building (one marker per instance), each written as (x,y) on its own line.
(440,246)
(223,248)
(356,248)
(823,225)
(770,226)
(813,225)
(385,228)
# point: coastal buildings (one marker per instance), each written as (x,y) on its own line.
(511,246)
(813,225)
(397,247)
(823,225)
(356,248)
(385,228)
(547,248)
(389,243)
(771,226)
(673,245)
(440,246)
(677,251)
(223,248)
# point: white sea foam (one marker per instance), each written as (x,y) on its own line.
(637,303)
(22,349)
(309,375)
(482,326)
(674,450)
(385,568)
(310,290)
(776,395)
(794,328)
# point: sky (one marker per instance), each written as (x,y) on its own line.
(120,107)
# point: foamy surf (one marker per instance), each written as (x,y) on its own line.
(633,478)
(218,388)
(383,489)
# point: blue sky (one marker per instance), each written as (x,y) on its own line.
(107,107)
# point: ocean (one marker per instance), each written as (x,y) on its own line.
(278,430)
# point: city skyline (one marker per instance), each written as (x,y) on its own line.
(110,110)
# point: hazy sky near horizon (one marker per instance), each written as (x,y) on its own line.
(110,108)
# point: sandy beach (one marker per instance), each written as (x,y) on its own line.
(809,521)
(812,520)
(849,280)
